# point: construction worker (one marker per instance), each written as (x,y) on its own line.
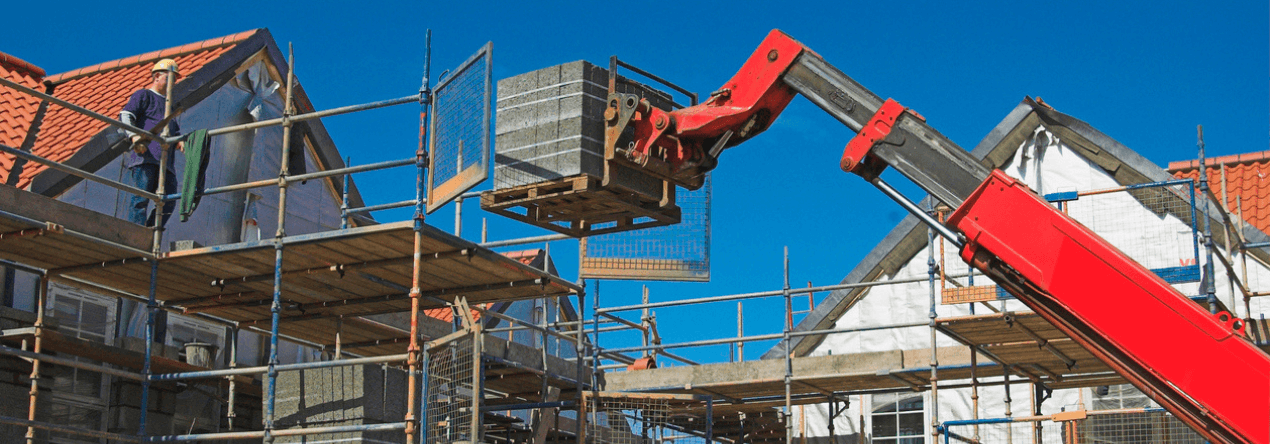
(145,109)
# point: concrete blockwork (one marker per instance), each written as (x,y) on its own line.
(16,407)
(360,394)
(550,125)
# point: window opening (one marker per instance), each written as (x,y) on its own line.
(898,419)
(79,396)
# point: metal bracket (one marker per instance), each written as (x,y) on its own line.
(1236,325)
(618,114)
(856,154)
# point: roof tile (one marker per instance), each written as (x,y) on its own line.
(17,110)
(103,88)
(527,257)
(1247,184)
(1213,162)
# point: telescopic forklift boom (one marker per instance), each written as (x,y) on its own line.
(1197,365)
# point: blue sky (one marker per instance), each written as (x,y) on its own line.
(1144,73)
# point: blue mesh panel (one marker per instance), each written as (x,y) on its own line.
(460,130)
(1177,275)
(679,252)
(1172,275)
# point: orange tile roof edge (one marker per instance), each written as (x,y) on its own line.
(151,56)
(24,65)
(1223,160)
(526,257)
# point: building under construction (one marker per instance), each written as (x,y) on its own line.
(280,307)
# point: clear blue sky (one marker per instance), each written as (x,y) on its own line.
(1145,74)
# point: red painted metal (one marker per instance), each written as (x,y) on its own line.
(756,86)
(878,128)
(1194,364)
(1197,365)
(747,104)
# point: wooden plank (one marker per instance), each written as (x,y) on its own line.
(135,281)
(83,220)
(573,207)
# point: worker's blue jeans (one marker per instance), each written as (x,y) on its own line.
(146,177)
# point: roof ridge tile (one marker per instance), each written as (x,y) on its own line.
(104,88)
(23,65)
(143,58)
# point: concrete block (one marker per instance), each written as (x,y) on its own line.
(180,245)
(16,396)
(319,396)
(14,369)
(128,394)
(391,436)
(124,419)
(550,125)
(16,318)
(139,345)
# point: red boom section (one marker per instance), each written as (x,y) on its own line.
(1174,351)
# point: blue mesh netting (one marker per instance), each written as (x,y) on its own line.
(460,130)
(673,252)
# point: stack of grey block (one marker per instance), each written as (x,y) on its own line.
(125,409)
(342,396)
(550,125)
(15,383)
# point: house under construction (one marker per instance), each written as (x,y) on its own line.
(282,309)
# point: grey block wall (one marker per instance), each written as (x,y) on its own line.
(15,383)
(392,436)
(551,125)
(15,405)
(362,394)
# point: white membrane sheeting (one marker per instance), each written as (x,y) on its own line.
(1047,165)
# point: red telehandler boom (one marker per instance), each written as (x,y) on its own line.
(1195,364)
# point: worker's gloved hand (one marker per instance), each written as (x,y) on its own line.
(138,145)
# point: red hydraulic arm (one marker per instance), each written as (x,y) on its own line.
(681,145)
(1197,365)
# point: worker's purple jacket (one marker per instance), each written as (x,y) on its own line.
(147,107)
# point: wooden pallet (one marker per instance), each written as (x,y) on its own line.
(977,293)
(580,206)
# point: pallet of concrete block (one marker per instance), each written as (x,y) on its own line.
(579,206)
(549,157)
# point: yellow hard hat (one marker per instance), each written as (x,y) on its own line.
(165,65)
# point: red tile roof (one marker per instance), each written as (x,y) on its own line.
(526,257)
(447,315)
(17,110)
(104,88)
(1247,178)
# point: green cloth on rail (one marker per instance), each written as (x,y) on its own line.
(195,174)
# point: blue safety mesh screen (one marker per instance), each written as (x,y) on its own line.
(1151,223)
(679,252)
(1173,275)
(460,130)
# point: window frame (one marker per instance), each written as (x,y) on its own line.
(879,403)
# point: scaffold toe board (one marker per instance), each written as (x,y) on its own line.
(129,359)
(579,206)
(326,277)
(355,271)
(814,380)
(1029,345)
(515,373)
(46,233)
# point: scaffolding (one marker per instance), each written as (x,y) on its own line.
(1130,426)
(291,287)
(1008,348)
(459,382)
(624,418)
